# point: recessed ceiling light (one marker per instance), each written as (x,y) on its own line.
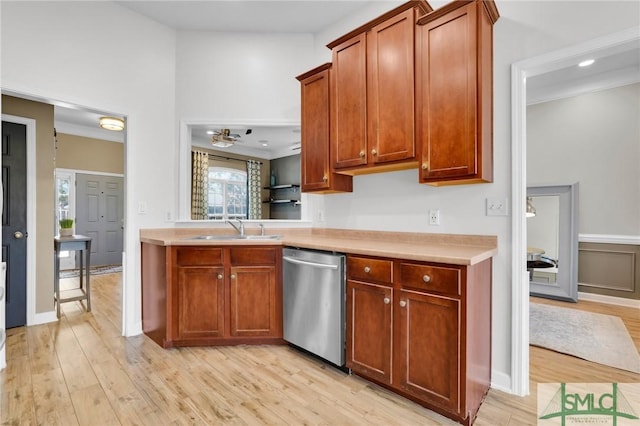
(263,142)
(586,63)
(210,132)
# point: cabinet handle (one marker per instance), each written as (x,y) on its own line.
(219,276)
(361,154)
(374,152)
(403,303)
(367,269)
(425,166)
(426,278)
(233,276)
(386,300)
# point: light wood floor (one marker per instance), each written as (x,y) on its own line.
(81,371)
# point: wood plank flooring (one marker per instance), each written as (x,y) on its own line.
(80,371)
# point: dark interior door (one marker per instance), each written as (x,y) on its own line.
(14,220)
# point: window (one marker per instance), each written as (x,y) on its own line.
(227,193)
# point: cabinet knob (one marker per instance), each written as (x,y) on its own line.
(426,278)
(425,166)
(325,178)
(386,300)
(403,303)
(374,152)
(233,276)
(361,154)
(219,276)
(367,269)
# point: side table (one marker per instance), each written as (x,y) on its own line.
(73,243)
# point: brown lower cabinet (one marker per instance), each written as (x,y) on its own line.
(422,330)
(211,295)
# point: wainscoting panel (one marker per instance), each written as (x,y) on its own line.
(609,269)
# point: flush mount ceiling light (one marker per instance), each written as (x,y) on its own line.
(586,63)
(112,123)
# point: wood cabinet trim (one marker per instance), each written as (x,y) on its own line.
(421,5)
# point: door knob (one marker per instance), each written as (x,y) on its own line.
(18,235)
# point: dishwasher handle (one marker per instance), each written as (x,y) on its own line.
(307,263)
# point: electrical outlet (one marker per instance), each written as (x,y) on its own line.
(434,217)
(497,207)
(320,215)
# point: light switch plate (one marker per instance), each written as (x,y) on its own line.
(497,207)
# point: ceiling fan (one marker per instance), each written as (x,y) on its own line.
(223,138)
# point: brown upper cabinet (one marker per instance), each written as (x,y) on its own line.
(372,89)
(316,171)
(454,93)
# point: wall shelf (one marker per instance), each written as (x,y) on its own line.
(285,186)
(296,202)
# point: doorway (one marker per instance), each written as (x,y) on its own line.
(520,71)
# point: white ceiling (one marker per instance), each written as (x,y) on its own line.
(612,68)
(301,16)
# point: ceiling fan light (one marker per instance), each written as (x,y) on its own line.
(112,123)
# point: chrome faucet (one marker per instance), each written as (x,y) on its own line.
(239,228)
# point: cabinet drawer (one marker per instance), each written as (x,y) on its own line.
(370,269)
(198,256)
(253,256)
(430,278)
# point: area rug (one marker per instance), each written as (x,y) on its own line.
(595,337)
(97,270)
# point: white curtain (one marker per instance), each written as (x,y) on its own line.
(199,185)
(254,183)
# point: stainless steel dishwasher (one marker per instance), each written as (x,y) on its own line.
(314,302)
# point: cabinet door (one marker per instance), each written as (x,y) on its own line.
(390,89)
(349,106)
(447,93)
(369,330)
(315,132)
(427,345)
(253,302)
(200,302)
(315,147)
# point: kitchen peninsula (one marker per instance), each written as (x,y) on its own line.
(426,296)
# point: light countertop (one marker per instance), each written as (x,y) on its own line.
(442,248)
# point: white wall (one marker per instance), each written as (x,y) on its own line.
(100,55)
(593,139)
(238,76)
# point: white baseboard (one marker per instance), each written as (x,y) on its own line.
(44,318)
(502,382)
(610,300)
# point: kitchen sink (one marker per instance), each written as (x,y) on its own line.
(235,237)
